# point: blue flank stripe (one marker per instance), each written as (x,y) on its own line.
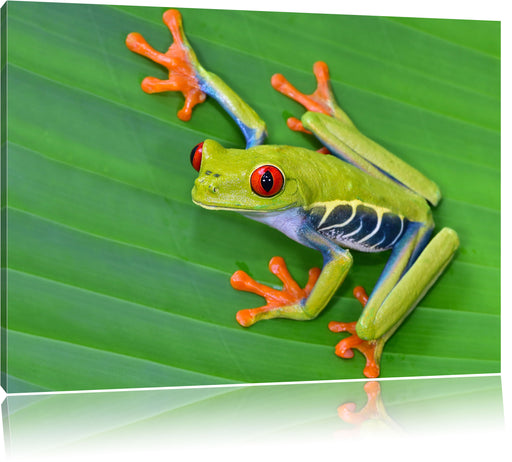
(398,251)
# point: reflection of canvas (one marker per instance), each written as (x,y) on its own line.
(115,279)
(325,415)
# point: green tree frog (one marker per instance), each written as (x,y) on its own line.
(358,197)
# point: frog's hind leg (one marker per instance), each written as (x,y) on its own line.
(414,239)
(394,298)
(334,129)
(322,100)
(328,122)
(344,349)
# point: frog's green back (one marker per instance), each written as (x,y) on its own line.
(326,178)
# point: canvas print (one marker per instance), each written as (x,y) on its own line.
(198,197)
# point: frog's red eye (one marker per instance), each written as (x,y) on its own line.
(267,180)
(196,155)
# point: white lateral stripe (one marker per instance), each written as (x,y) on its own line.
(399,233)
(354,232)
(379,243)
(339,225)
(379,222)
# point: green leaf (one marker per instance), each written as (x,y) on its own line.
(115,279)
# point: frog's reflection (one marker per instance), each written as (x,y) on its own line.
(177,419)
(373,416)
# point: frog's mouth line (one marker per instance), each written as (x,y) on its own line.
(241,208)
(212,207)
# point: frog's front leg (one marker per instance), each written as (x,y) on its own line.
(179,60)
(188,76)
(403,283)
(293,302)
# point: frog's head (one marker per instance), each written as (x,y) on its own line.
(255,180)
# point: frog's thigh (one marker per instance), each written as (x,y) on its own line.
(411,288)
(404,253)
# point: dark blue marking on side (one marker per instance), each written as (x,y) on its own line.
(390,230)
(363,224)
(352,229)
(315,215)
(340,214)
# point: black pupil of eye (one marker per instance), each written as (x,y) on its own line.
(267,181)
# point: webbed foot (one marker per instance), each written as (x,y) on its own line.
(180,61)
(280,303)
(321,100)
(371,349)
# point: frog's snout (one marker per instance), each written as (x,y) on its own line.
(206,188)
(209,180)
(213,188)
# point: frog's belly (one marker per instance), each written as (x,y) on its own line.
(357,225)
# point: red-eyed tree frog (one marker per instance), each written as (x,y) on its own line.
(359,197)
